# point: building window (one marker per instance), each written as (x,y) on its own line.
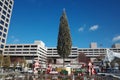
(4,12)
(0,33)
(2,22)
(6,24)
(25,49)
(4,35)
(5,7)
(18,52)
(8,15)
(3,40)
(11,49)
(20,46)
(1,28)
(10,2)
(5,30)
(2,46)
(49,49)
(7,20)
(12,46)
(25,52)
(1,3)
(10,6)
(3,17)
(26,46)
(32,52)
(0,8)
(33,49)
(18,49)
(6,3)
(6,46)
(33,46)
(9,10)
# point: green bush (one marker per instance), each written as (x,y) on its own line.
(77,71)
(64,72)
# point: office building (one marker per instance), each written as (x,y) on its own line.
(6,7)
(38,51)
(117,45)
(92,53)
(35,51)
(93,45)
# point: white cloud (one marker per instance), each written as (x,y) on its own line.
(117,38)
(94,27)
(81,29)
(15,40)
(12,37)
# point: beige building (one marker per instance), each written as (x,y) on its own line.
(117,45)
(93,45)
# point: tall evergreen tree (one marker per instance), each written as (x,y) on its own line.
(64,38)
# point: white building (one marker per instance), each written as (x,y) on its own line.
(6,7)
(91,53)
(35,51)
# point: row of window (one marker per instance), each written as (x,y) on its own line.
(9,1)
(20,53)
(91,49)
(3,17)
(43,55)
(20,49)
(77,54)
(6,9)
(4,35)
(56,49)
(2,22)
(42,51)
(1,28)
(20,46)
(6,3)
(4,12)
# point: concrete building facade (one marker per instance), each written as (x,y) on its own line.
(31,52)
(47,55)
(92,53)
(6,7)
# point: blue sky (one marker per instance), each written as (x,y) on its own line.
(89,21)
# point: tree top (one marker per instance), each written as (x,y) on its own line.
(64,13)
